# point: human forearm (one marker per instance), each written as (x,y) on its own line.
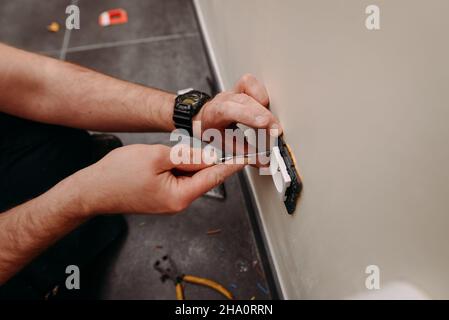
(27,230)
(47,90)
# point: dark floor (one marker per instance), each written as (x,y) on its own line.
(160,46)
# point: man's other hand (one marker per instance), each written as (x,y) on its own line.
(143,179)
(246,104)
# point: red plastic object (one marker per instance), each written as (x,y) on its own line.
(113,16)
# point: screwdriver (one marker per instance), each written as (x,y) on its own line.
(242,156)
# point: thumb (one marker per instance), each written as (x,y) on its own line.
(185,158)
(206,179)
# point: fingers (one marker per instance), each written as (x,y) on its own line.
(185,158)
(246,110)
(206,179)
(249,85)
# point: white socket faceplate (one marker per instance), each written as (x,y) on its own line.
(279,172)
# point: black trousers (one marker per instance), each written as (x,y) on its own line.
(33,158)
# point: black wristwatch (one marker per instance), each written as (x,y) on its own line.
(187,106)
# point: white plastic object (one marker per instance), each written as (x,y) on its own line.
(279,172)
(104,19)
(183,91)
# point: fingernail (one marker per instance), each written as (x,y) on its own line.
(261,120)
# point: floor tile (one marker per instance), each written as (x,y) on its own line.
(146,18)
(168,65)
(23,23)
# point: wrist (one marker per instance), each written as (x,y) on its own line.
(159,111)
(65,201)
(167,112)
(80,200)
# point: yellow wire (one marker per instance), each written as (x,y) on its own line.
(179,292)
(208,283)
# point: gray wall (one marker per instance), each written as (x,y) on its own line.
(367,116)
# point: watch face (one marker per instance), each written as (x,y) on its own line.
(192,101)
(190,98)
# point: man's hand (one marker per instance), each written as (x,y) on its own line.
(141,179)
(132,179)
(246,104)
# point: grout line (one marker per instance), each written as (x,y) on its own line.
(65,44)
(114,44)
(66,40)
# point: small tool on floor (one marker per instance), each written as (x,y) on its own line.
(113,16)
(168,270)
